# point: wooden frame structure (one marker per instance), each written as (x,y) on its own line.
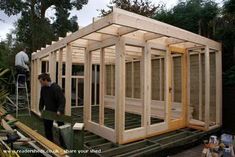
(183,68)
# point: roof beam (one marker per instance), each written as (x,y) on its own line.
(125,18)
(125,30)
(99,24)
(151,36)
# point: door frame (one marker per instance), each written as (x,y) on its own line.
(182,121)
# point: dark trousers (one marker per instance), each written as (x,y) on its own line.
(22,80)
(21,70)
(48,126)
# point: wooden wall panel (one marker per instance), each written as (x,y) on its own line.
(177,79)
(156,77)
(194,85)
(212,88)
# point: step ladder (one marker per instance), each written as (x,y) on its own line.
(22,97)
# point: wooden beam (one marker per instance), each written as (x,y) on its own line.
(68,83)
(112,78)
(207,87)
(177,49)
(87,88)
(184,87)
(174,41)
(56,150)
(101,86)
(102,23)
(32,86)
(132,79)
(160,80)
(52,66)
(125,18)
(38,89)
(76,91)
(102,44)
(53,116)
(219,88)
(125,30)
(200,85)
(142,88)
(134,42)
(188,87)
(151,36)
(60,67)
(120,90)
(95,83)
(168,86)
(147,88)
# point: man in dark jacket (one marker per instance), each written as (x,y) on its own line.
(51,99)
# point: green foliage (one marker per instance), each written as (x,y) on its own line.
(33,29)
(5,55)
(229,76)
(3,84)
(229,7)
(194,15)
(142,7)
(34,34)
(63,24)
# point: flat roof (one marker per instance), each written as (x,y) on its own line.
(123,23)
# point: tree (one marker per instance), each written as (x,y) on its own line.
(226,33)
(33,28)
(142,7)
(197,16)
(63,24)
(37,7)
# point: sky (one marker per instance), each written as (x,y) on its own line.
(84,15)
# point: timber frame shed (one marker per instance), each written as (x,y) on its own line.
(135,68)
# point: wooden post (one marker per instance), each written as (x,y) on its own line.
(207,87)
(219,88)
(142,88)
(52,66)
(32,96)
(87,87)
(188,86)
(68,73)
(184,101)
(95,85)
(120,90)
(102,76)
(200,84)
(76,91)
(141,78)
(60,67)
(160,79)
(132,79)
(39,71)
(147,87)
(112,74)
(168,86)
(172,79)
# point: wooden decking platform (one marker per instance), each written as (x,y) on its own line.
(161,145)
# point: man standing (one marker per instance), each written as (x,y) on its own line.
(51,99)
(21,61)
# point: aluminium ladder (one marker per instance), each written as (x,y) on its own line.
(22,97)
